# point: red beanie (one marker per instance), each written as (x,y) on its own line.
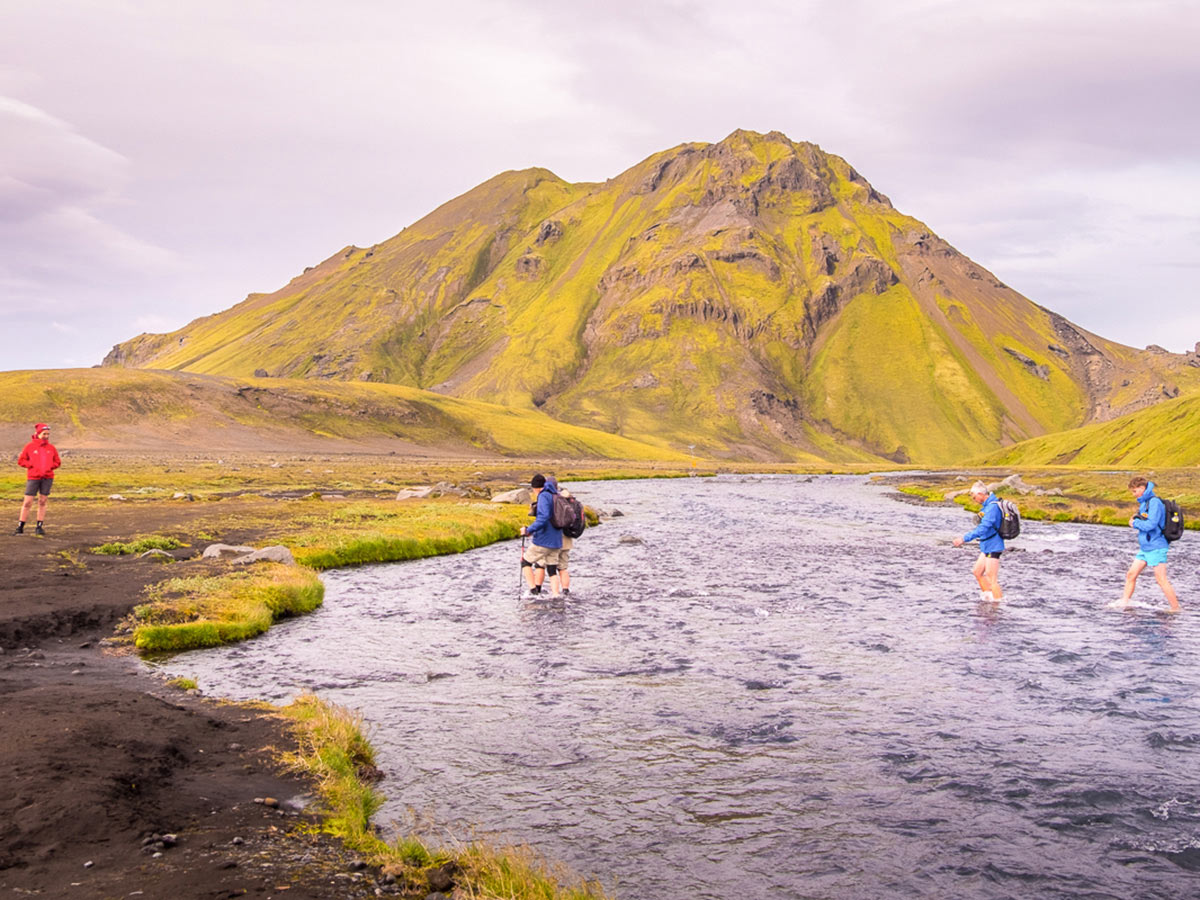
(37,429)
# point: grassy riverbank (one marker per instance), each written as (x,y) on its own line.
(334,752)
(1099,497)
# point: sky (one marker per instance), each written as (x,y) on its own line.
(161,160)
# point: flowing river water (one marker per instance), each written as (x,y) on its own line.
(777,686)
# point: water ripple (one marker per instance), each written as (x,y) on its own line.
(777,687)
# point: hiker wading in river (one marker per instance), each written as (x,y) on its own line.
(987,567)
(547,539)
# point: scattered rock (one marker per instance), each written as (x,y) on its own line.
(157,554)
(630,539)
(180,495)
(269,802)
(520,495)
(441,878)
(1040,370)
(224,551)
(615,513)
(278,554)
(261,373)
(414,493)
(115,497)
(357,865)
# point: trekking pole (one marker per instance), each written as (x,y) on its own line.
(521,571)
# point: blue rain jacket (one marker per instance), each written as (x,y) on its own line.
(542,530)
(987,532)
(1152,517)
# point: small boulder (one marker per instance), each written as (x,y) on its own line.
(277,554)
(415,493)
(520,495)
(224,551)
(115,497)
(157,554)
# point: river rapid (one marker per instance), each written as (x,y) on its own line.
(776,686)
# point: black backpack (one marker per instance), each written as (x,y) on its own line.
(567,514)
(1010,520)
(1172,520)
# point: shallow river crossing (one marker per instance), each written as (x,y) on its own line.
(774,686)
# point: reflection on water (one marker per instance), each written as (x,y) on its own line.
(787,689)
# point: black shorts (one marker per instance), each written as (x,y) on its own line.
(995,554)
(38,486)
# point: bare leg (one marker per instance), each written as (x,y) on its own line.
(991,574)
(1131,577)
(1168,589)
(25,507)
(978,571)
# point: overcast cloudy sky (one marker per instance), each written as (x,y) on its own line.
(160,160)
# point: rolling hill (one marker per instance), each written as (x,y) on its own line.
(149,410)
(753,298)
(1166,434)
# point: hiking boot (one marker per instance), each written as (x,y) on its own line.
(40,531)
(20,528)
(566,592)
(537,589)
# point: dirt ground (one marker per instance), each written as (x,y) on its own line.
(98,757)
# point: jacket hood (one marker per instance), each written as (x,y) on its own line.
(1147,493)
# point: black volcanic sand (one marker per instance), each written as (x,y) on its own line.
(97,756)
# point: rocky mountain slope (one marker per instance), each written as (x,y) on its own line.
(752,298)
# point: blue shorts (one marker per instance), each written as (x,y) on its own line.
(1153,558)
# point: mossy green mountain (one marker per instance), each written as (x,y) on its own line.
(752,298)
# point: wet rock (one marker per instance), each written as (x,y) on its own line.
(520,495)
(441,878)
(277,554)
(269,802)
(630,539)
(224,551)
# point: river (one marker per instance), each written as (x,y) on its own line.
(776,686)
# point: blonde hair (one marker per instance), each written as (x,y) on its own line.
(979,488)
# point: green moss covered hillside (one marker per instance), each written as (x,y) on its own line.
(753,298)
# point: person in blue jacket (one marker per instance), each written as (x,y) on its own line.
(991,545)
(1152,546)
(547,539)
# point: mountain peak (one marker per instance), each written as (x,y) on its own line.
(754,297)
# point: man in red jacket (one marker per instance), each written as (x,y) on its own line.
(40,459)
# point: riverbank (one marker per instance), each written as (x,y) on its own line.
(98,757)
(1062,494)
(120,783)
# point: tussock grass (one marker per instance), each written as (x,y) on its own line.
(139,545)
(372,532)
(206,611)
(335,753)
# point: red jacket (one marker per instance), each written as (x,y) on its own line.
(40,458)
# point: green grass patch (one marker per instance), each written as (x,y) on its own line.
(184,684)
(334,752)
(139,545)
(206,611)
